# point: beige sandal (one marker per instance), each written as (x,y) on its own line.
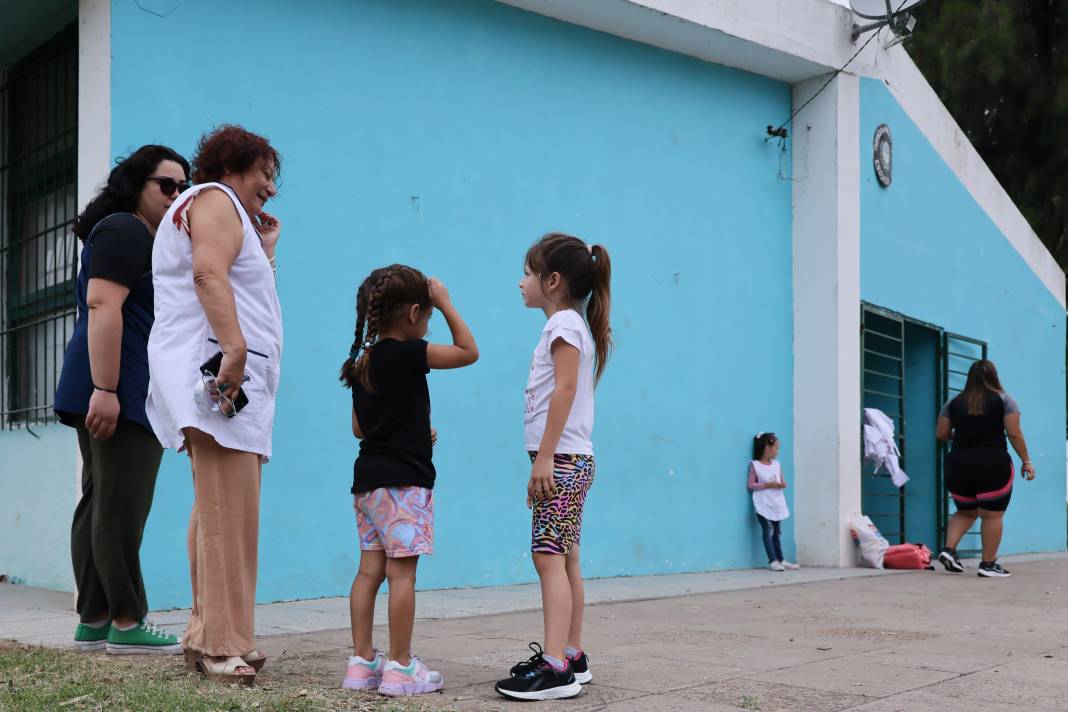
(255,660)
(231,670)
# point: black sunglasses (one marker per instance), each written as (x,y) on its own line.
(167,186)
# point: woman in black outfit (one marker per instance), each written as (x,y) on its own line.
(979,470)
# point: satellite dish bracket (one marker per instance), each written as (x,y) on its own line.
(901,23)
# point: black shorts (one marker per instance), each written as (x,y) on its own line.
(980,478)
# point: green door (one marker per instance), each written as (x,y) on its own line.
(882,368)
(958,354)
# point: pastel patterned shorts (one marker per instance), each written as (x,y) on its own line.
(397,520)
(557,523)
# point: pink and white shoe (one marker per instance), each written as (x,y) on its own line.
(789,565)
(364,674)
(411,679)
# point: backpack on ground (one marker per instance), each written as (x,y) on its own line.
(907,556)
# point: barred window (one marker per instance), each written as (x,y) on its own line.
(38,205)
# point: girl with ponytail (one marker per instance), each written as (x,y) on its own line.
(563,276)
(393,477)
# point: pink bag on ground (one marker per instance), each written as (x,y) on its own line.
(907,556)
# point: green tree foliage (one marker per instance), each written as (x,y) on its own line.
(1001,68)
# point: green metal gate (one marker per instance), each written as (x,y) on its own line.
(882,368)
(958,354)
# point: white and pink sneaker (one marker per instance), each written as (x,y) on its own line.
(411,679)
(364,674)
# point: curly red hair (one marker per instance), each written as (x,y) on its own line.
(231,149)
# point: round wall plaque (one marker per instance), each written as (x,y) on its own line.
(883,155)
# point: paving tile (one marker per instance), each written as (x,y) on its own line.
(856,676)
(935,700)
(483,697)
(770,697)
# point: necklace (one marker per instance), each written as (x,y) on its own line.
(142,219)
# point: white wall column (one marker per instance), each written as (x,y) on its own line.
(826,273)
(94,97)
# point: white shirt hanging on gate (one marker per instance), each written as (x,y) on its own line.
(880,445)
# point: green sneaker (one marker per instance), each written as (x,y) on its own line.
(143,639)
(87,637)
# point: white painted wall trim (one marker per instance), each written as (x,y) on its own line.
(796,40)
(787,40)
(826,277)
(94,97)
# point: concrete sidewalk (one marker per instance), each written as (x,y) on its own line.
(814,640)
(42,617)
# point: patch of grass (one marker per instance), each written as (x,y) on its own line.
(36,679)
(750,703)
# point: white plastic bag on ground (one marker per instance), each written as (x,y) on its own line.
(872,544)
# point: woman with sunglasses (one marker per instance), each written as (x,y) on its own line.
(101,393)
(214,356)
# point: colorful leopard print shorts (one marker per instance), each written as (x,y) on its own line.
(557,523)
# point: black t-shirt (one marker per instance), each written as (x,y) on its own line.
(395,419)
(122,250)
(986,430)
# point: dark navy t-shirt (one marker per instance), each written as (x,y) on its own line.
(118,249)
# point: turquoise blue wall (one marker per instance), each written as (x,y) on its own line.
(39,483)
(929,251)
(450,136)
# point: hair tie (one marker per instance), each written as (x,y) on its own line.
(354,352)
(760,434)
(589,248)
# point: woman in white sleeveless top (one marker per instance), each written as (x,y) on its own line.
(213,274)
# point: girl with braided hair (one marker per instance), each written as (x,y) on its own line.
(393,477)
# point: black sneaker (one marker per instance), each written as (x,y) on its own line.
(539,682)
(950,560)
(993,569)
(580,665)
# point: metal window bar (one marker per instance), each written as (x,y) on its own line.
(958,354)
(38,203)
(883,387)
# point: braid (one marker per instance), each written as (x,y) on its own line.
(376,305)
(378,295)
(349,373)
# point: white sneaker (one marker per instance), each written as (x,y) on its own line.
(364,674)
(776,566)
(789,566)
(414,679)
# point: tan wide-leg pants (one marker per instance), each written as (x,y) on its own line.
(223,544)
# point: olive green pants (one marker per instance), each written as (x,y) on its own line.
(118,481)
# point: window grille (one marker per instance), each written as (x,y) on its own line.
(38,205)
